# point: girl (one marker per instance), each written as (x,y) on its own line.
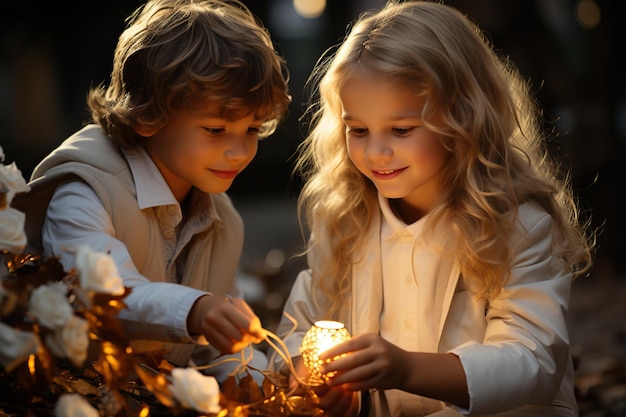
(441,236)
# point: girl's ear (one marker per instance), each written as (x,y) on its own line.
(145,131)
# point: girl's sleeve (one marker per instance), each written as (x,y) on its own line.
(299,314)
(76,217)
(525,351)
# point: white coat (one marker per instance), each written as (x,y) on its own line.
(514,350)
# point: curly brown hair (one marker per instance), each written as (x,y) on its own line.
(190,55)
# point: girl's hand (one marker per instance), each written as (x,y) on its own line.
(302,373)
(228,324)
(336,402)
(366,362)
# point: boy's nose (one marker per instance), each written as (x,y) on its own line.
(240,147)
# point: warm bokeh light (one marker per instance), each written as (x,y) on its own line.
(145,411)
(31,364)
(309,8)
(588,13)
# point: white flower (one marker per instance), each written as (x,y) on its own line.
(12,236)
(70,341)
(195,390)
(12,181)
(98,272)
(16,346)
(74,405)
(49,306)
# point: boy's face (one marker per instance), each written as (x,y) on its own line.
(205,152)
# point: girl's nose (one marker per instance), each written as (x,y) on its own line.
(377,147)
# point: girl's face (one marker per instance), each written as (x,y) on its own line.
(205,152)
(388,142)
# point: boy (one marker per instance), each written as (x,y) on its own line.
(194,85)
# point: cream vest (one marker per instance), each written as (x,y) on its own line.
(92,157)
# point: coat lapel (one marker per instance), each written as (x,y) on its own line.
(444,294)
(367,285)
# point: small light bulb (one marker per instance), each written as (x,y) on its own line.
(318,339)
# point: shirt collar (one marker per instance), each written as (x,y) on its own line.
(394,226)
(151,188)
(153,191)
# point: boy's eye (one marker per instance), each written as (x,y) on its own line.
(214,131)
(253,130)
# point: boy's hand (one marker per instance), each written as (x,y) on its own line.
(228,324)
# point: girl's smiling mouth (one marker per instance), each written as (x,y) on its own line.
(387,173)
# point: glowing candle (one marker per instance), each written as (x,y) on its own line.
(322,336)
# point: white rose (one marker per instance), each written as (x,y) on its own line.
(70,341)
(12,236)
(74,405)
(98,272)
(16,346)
(49,306)
(195,391)
(12,181)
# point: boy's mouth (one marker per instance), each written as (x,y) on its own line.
(226,175)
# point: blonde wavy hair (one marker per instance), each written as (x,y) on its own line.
(190,55)
(482,108)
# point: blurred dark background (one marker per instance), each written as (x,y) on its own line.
(570,50)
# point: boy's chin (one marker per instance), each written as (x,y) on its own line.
(221,187)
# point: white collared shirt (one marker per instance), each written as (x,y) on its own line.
(76,217)
(408,267)
(399,318)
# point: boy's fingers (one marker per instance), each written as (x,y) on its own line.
(248,322)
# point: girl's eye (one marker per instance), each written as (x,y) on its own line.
(253,130)
(357,131)
(403,131)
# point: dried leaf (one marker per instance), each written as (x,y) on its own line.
(274,380)
(72,383)
(157,384)
(113,364)
(249,391)
(229,388)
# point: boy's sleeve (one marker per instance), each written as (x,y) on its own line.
(75,217)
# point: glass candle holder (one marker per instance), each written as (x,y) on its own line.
(322,336)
